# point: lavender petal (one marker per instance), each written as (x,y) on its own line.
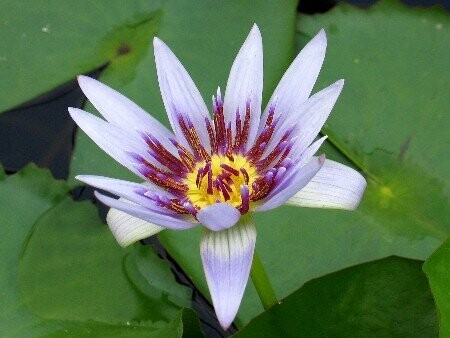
(227,257)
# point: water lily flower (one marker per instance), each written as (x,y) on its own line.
(217,171)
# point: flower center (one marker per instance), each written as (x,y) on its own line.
(222,179)
(230,171)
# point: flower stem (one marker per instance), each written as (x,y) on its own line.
(262,283)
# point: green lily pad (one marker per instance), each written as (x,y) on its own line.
(51,42)
(438,272)
(71,256)
(391,91)
(23,198)
(62,272)
(385,298)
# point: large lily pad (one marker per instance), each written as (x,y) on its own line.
(68,260)
(391,93)
(62,272)
(386,298)
(437,268)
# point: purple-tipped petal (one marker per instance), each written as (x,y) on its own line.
(289,187)
(174,222)
(309,117)
(314,113)
(298,81)
(119,110)
(218,216)
(131,191)
(300,161)
(335,186)
(245,83)
(128,229)
(227,257)
(111,139)
(179,94)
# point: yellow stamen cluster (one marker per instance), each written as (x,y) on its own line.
(201,192)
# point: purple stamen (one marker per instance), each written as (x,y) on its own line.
(190,208)
(198,180)
(230,169)
(138,158)
(224,191)
(153,196)
(245,196)
(209,189)
(161,176)
(268,177)
(140,191)
(287,163)
(280,174)
(245,173)
(164,200)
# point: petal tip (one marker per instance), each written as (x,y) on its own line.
(319,42)
(86,179)
(158,44)
(254,37)
(322,35)
(82,77)
(224,323)
(73,111)
(321,38)
(85,81)
(255,30)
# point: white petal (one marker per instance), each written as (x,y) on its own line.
(119,110)
(111,139)
(128,229)
(302,177)
(245,82)
(298,81)
(227,257)
(218,216)
(179,94)
(335,186)
(167,221)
